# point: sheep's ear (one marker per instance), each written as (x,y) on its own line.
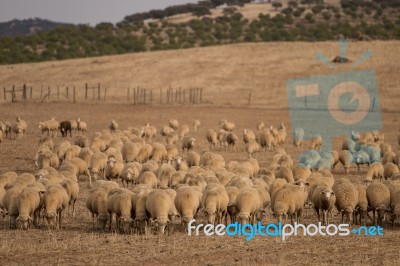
(332,193)
(307,184)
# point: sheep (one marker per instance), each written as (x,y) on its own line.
(264,196)
(72,188)
(164,175)
(323,199)
(108,186)
(211,160)
(266,139)
(394,202)
(346,199)
(97,164)
(301,172)
(29,203)
(7,178)
(46,142)
(298,136)
(149,132)
(193,159)
(144,153)
(187,203)
(212,138)
(113,168)
(316,142)
(232,208)
(362,205)
(260,125)
(251,148)
(17,129)
(148,178)
(61,148)
(389,170)
(181,164)
(96,203)
(10,202)
(82,126)
(378,196)
(50,127)
(130,174)
(47,159)
(171,138)
(64,127)
(221,136)
(158,153)
(159,205)
(149,166)
(248,203)
(166,130)
(120,204)
(81,141)
(55,200)
(360,158)
(248,136)
(188,144)
(374,171)
(289,200)
(196,124)
(113,126)
(285,173)
(227,125)
(346,158)
(231,140)
(349,145)
(81,166)
(215,202)
(174,124)
(183,131)
(72,152)
(388,157)
(85,154)
(172,153)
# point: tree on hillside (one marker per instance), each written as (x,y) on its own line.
(201,11)
(277,5)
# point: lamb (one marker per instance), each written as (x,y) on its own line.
(211,160)
(346,158)
(97,164)
(82,126)
(172,153)
(298,136)
(346,199)
(231,140)
(10,202)
(196,124)
(248,136)
(212,138)
(64,127)
(188,144)
(120,204)
(378,196)
(323,199)
(290,200)
(389,170)
(55,200)
(158,153)
(362,205)
(72,188)
(183,131)
(215,202)
(148,178)
(29,203)
(113,126)
(97,205)
(160,206)
(144,153)
(81,141)
(374,171)
(164,175)
(248,203)
(187,203)
(130,174)
(174,124)
(113,168)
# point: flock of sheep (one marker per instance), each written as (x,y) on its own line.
(140,184)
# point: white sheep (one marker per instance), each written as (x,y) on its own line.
(298,136)
(374,171)
(144,153)
(232,208)
(55,200)
(346,159)
(323,199)
(211,160)
(248,135)
(362,205)
(165,173)
(215,202)
(130,174)
(120,204)
(113,125)
(196,124)
(266,139)
(174,123)
(160,207)
(252,147)
(389,170)
(148,178)
(221,136)
(227,125)
(346,199)
(81,141)
(96,202)
(248,204)
(183,131)
(82,126)
(187,203)
(176,179)
(378,196)
(29,203)
(289,201)
(72,188)
(158,153)
(172,153)
(193,159)
(113,169)
(188,144)
(212,138)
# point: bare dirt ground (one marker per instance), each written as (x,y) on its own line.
(78,244)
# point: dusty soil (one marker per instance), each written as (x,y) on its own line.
(78,244)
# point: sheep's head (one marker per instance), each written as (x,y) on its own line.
(179,161)
(244,218)
(102,221)
(327,194)
(24,221)
(211,215)
(161,223)
(381,210)
(111,161)
(51,218)
(125,224)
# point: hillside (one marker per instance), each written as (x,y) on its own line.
(207,24)
(28,26)
(227,73)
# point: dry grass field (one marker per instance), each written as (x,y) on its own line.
(228,73)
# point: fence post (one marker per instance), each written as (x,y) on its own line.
(201,95)
(144,98)
(151,96)
(160,95)
(67,92)
(58,93)
(86,89)
(5,95)
(98,92)
(93,93)
(134,95)
(105,94)
(128,94)
(30,96)
(249,98)
(74,94)
(48,92)
(13,94)
(41,92)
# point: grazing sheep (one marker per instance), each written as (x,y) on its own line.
(82,126)
(196,124)
(227,125)
(50,127)
(188,144)
(248,204)
(113,168)
(252,147)
(171,138)
(72,152)
(158,153)
(47,159)
(388,157)
(149,132)
(211,160)
(97,205)
(378,196)
(172,153)
(323,199)
(248,136)
(212,138)
(130,174)
(119,202)
(183,131)
(64,127)
(362,205)
(346,159)
(165,130)
(61,148)
(55,200)
(7,178)
(284,173)
(17,129)
(231,140)
(187,203)
(10,202)
(346,199)
(108,186)
(113,126)
(97,165)
(266,139)
(374,171)
(149,166)
(290,200)
(176,179)
(174,124)
(72,188)
(148,178)
(389,170)
(165,173)
(215,202)
(298,136)
(29,203)
(160,207)
(193,159)
(81,166)
(81,141)
(301,172)
(86,154)
(144,153)
(232,208)
(221,136)
(394,202)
